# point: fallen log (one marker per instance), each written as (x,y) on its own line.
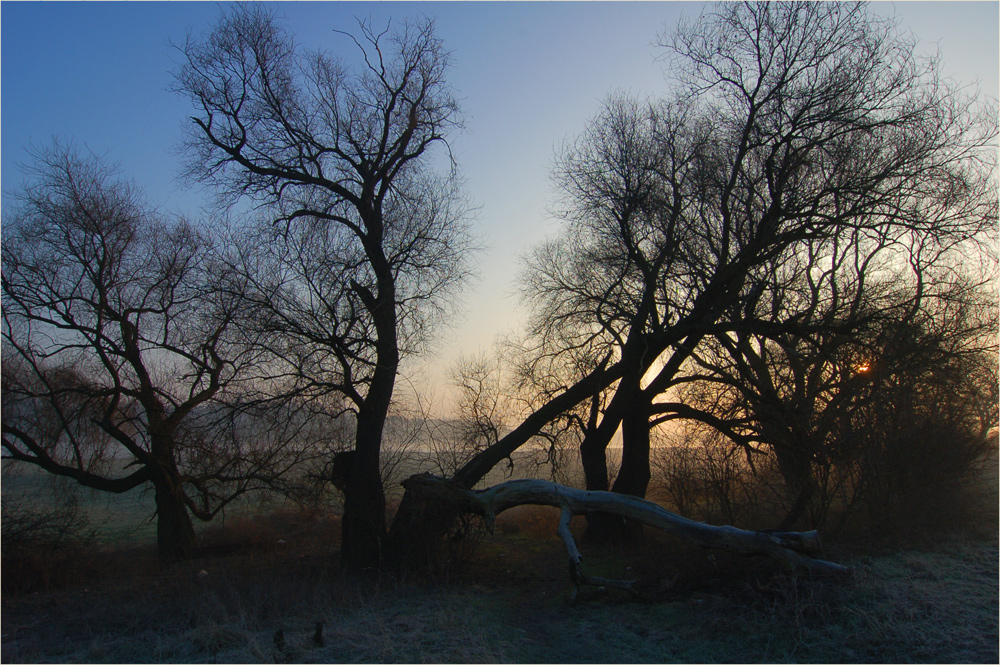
(793,548)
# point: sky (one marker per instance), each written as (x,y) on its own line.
(529,75)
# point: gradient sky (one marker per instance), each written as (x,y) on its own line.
(530,74)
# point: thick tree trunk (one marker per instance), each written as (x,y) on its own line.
(421,529)
(363,526)
(363,532)
(795,466)
(594,455)
(620,412)
(792,548)
(633,477)
(175,539)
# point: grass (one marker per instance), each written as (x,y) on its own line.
(510,602)
(508,599)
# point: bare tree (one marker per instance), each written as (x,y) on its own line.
(793,124)
(918,429)
(794,392)
(118,367)
(631,225)
(368,242)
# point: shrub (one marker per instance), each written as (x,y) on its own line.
(45,546)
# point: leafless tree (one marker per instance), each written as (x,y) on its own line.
(367,242)
(920,430)
(630,224)
(117,363)
(794,393)
(791,124)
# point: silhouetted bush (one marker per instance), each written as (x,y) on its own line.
(45,546)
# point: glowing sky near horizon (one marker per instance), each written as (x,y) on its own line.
(529,76)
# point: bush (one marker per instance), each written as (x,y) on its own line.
(44,546)
(914,480)
(702,476)
(905,477)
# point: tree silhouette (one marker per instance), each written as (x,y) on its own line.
(118,369)
(369,242)
(793,126)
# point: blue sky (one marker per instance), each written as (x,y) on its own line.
(530,74)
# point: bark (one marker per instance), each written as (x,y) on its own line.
(363,526)
(363,532)
(593,451)
(421,529)
(175,539)
(633,476)
(795,466)
(792,548)
(594,455)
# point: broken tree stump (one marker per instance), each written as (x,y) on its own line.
(794,548)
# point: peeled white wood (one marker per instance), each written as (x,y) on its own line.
(791,547)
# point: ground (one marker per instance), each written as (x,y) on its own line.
(508,599)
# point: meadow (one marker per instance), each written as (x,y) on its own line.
(266,587)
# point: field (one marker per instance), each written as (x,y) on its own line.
(125,519)
(508,598)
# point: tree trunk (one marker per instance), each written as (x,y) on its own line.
(633,477)
(175,538)
(795,466)
(363,526)
(792,548)
(421,528)
(621,411)
(593,453)
(363,532)
(594,456)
